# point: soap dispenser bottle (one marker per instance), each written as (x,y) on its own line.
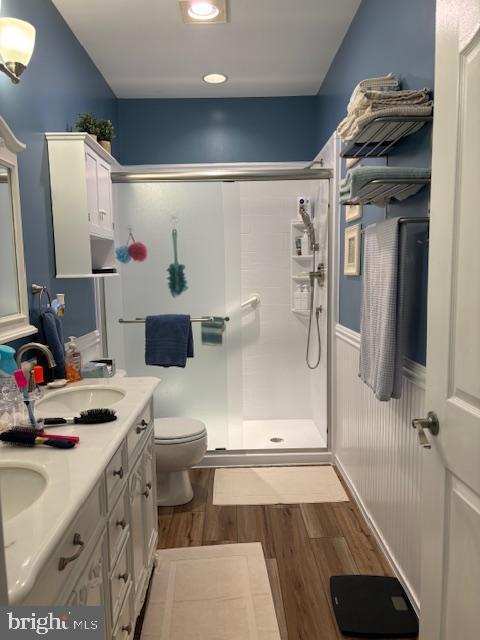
(73,361)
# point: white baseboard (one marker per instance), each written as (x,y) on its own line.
(264,458)
(378,536)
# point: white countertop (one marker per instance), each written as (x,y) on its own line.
(31,536)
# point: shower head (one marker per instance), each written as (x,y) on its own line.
(307,221)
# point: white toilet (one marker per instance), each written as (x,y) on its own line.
(180,443)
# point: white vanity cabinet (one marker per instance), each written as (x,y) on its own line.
(81,191)
(106,555)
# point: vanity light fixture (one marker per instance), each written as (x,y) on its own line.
(203,10)
(17,40)
(214,78)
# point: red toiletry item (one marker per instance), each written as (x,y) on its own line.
(20,379)
(38,374)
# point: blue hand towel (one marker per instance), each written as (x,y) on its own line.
(168,340)
(52,336)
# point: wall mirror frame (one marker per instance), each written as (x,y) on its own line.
(14,317)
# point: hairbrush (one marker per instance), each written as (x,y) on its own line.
(27,438)
(91,416)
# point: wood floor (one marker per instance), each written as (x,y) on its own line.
(303,545)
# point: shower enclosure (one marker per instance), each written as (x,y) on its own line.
(238,242)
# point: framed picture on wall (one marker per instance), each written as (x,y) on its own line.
(351,265)
(353,212)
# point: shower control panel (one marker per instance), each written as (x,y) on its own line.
(304,202)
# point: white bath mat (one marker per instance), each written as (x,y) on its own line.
(277,485)
(220,592)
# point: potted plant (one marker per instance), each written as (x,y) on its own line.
(105,133)
(87,123)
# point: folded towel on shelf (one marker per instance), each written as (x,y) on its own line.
(368,102)
(355,183)
(381,83)
(383,308)
(168,340)
(51,334)
(358,124)
(212,331)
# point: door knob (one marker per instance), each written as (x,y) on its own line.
(431,423)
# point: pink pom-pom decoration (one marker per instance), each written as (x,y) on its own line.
(137,251)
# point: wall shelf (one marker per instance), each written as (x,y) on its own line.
(381,134)
(385,189)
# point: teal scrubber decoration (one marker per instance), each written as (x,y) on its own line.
(176,272)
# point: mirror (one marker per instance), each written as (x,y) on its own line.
(9,300)
(14,321)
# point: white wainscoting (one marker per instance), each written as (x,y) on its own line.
(377,451)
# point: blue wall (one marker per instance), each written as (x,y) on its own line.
(384,37)
(60,82)
(217,130)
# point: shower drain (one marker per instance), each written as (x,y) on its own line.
(277,440)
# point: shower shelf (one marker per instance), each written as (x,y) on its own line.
(301,312)
(300,278)
(381,134)
(385,189)
(295,257)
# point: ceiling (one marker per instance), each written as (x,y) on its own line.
(267,48)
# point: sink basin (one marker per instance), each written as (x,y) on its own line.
(69,402)
(20,487)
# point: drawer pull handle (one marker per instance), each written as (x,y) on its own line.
(77,542)
(123,576)
(118,472)
(142,426)
(127,628)
(149,485)
(146,493)
(121,523)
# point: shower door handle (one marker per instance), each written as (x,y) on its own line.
(421,424)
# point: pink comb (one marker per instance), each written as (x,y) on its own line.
(20,379)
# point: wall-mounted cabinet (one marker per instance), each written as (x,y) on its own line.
(83,221)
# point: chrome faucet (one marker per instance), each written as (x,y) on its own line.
(35,346)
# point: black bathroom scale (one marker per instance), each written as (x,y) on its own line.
(372,607)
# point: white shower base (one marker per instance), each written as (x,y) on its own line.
(295,434)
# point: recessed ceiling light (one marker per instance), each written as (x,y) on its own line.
(203,11)
(214,78)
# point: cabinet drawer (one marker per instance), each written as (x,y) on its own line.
(120,581)
(90,587)
(118,527)
(138,433)
(116,472)
(70,552)
(126,624)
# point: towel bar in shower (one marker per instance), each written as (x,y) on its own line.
(142,320)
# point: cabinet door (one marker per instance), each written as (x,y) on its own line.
(136,524)
(150,502)
(90,589)
(105,217)
(92,191)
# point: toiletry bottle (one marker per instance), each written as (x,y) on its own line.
(7,359)
(73,361)
(297,298)
(305,244)
(304,298)
(298,245)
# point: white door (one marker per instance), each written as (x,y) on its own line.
(450,580)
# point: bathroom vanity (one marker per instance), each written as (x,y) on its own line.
(81,527)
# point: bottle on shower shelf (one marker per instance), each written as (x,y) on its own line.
(297,297)
(305,244)
(305,298)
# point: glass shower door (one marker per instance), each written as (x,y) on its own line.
(208,245)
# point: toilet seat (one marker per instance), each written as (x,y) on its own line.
(178,430)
